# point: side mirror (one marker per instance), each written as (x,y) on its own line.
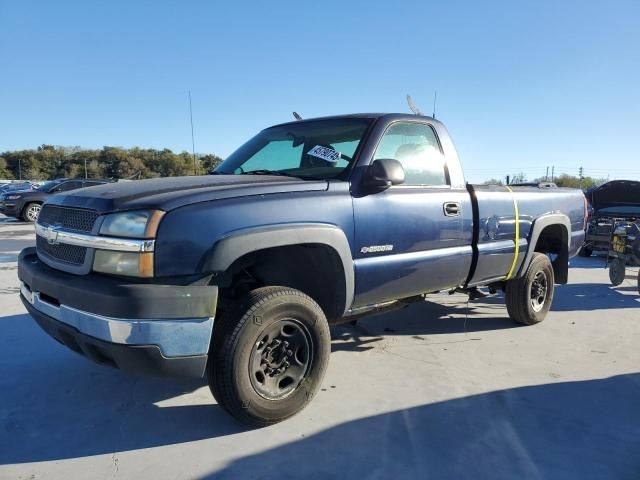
(383,173)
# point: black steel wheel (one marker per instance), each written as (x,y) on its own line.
(280,359)
(539,291)
(616,271)
(268,356)
(529,297)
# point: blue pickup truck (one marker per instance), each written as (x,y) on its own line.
(237,275)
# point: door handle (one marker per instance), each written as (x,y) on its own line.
(451,209)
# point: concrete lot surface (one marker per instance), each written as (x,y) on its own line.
(418,393)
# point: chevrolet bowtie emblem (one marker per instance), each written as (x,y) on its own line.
(52,236)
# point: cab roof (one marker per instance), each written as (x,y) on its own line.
(368,116)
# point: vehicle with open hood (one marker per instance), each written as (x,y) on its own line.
(611,205)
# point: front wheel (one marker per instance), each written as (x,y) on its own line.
(31,212)
(529,297)
(269,355)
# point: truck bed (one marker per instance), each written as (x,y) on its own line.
(496,212)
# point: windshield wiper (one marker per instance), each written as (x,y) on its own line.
(263,171)
(278,172)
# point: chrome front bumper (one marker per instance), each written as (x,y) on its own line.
(174,337)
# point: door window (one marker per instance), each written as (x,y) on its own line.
(66,186)
(415,146)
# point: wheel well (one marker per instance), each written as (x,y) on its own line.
(554,240)
(315,269)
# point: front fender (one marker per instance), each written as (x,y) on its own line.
(242,242)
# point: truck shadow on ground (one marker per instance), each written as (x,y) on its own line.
(597,260)
(583,297)
(57,405)
(421,320)
(490,313)
(13,221)
(554,430)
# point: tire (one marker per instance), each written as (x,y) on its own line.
(523,307)
(617,271)
(635,250)
(585,251)
(268,356)
(30,212)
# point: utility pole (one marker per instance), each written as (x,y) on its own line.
(507,179)
(546,176)
(85,168)
(580,170)
(193,144)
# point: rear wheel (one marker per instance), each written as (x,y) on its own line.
(269,355)
(529,297)
(31,212)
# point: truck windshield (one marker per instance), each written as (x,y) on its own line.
(314,149)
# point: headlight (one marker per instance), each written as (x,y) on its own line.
(138,224)
(124,263)
(12,197)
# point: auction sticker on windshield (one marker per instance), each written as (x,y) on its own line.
(327,154)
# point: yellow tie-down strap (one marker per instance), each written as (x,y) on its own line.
(517,237)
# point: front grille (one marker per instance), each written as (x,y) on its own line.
(77,219)
(62,252)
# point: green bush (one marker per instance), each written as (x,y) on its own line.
(48,162)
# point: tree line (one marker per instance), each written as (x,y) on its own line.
(49,162)
(564,180)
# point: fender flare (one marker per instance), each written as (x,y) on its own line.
(539,224)
(241,242)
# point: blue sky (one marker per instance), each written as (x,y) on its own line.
(521,85)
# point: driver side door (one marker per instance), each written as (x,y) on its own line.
(409,238)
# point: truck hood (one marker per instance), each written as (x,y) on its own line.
(170,193)
(616,198)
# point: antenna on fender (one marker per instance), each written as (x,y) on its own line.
(413,106)
(297,116)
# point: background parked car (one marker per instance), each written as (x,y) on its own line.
(26,204)
(15,187)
